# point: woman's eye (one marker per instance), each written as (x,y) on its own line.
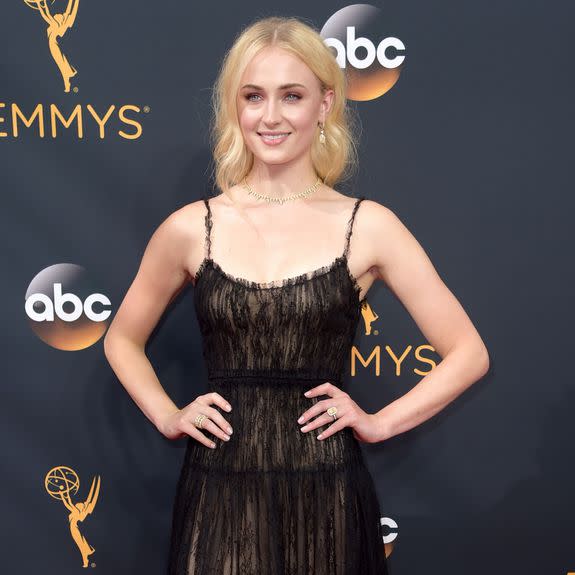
(296,97)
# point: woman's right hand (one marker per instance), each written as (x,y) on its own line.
(181,422)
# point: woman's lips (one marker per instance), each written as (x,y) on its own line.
(274,141)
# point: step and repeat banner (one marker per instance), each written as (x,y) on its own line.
(466,134)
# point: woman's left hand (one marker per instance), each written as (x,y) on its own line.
(349,414)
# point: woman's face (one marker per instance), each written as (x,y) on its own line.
(279,93)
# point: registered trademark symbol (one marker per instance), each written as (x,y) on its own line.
(146,109)
(75,89)
(375,332)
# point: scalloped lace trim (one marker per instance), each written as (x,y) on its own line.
(285,282)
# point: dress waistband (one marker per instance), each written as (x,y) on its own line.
(303,377)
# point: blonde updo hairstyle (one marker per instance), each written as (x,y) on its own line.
(232,159)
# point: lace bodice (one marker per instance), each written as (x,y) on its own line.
(299,326)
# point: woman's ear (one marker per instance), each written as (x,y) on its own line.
(326,104)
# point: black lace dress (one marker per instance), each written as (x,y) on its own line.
(274,500)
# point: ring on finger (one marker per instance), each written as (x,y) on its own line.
(332,411)
(198,422)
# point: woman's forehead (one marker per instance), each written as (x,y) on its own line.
(277,70)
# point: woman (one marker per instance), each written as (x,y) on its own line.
(269,496)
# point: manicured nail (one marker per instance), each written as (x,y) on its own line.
(300,420)
(306,393)
(228,407)
(319,436)
(230,430)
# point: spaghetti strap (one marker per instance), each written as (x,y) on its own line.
(208,228)
(350,226)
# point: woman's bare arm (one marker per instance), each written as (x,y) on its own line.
(404,266)
(161,276)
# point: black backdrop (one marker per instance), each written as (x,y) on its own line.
(470,148)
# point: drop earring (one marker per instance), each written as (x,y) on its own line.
(321,134)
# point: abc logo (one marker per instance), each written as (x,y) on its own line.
(357,36)
(64,309)
(353,43)
(392,525)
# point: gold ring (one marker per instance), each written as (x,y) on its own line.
(199,420)
(332,411)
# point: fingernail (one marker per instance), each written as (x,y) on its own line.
(300,420)
(212,445)
(306,393)
(319,436)
(230,430)
(227,437)
(228,407)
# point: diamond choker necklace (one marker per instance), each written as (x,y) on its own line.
(303,194)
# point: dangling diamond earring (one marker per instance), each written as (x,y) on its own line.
(321,135)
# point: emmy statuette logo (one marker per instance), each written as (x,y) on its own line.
(57,25)
(368,315)
(61,482)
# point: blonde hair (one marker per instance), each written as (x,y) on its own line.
(232,159)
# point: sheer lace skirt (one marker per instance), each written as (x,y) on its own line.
(274,500)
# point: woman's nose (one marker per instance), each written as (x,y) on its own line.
(272,113)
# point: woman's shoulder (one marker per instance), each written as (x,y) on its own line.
(191,211)
(372,218)
(367,206)
(187,221)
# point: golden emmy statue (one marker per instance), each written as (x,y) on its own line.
(58,25)
(369,316)
(62,481)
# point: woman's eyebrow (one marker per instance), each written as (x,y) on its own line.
(282,87)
